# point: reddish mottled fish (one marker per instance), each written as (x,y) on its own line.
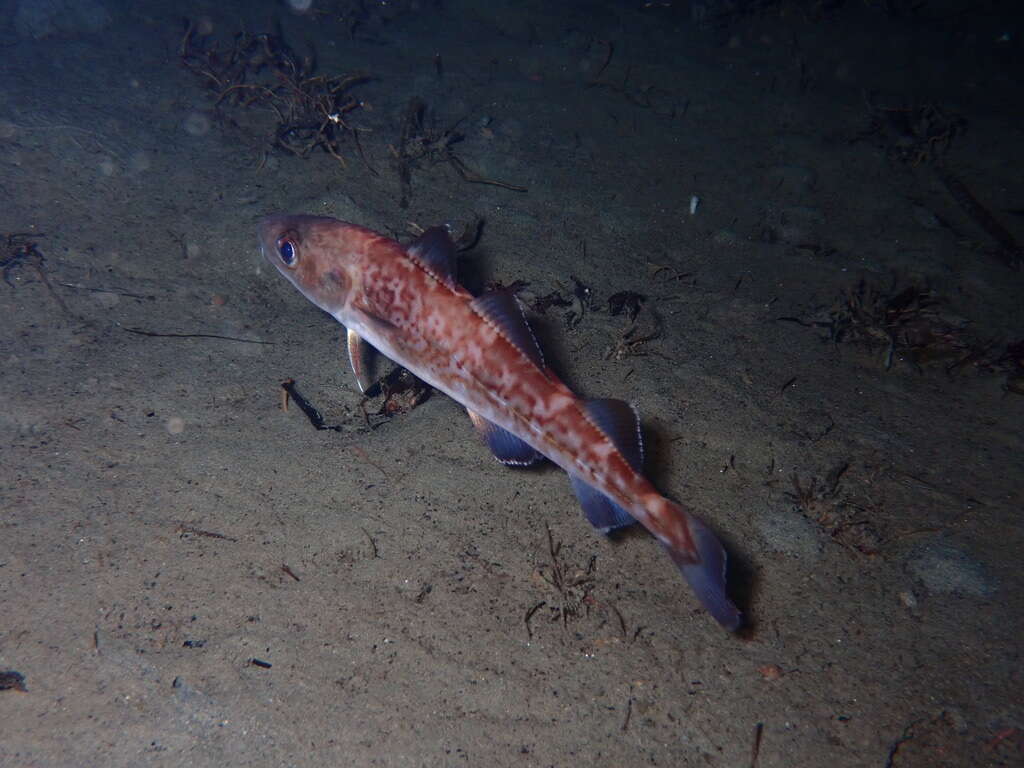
(406,303)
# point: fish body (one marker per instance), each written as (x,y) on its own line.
(405,302)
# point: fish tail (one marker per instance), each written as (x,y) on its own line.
(700,557)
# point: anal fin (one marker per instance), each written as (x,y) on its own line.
(602,513)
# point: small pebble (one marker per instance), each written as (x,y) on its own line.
(12,681)
(770,672)
(196,124)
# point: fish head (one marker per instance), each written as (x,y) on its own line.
(316,254)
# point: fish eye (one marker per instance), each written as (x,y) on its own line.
(288,252)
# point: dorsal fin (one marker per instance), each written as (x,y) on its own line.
(435,252)
(620,422)
(503,310)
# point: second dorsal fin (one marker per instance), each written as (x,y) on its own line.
(620,424)
(503,310)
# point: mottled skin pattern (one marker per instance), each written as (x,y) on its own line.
(426,322)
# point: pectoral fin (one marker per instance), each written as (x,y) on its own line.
(360,356)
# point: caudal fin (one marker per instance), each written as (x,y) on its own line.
(706,576)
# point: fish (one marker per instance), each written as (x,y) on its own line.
(405,302)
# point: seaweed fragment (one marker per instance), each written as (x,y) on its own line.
(306,111)
(843,520)
(629,302)
(422,142)
(918,134)
(906,322)
(401,392)
(573,585)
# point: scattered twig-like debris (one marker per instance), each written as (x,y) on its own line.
(629,711)
(820,502)
(289,571)
(367,459)
(1006,736)
(362,19)
(424,592)
(421,142)
(373,543)
(115,291)
(911,324)
(468,174)
(622,621)
(573,587)
(542,304)
(314,416)
(629,302)
(755,750)
(646,95)
(668,274)
(22,250)
(184,530)
(907,323)
(401,391)
(643,328)
(497,286)
(307,111)
(158,335)
(928,737)
(529,615)
(917,134)
(921,134)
